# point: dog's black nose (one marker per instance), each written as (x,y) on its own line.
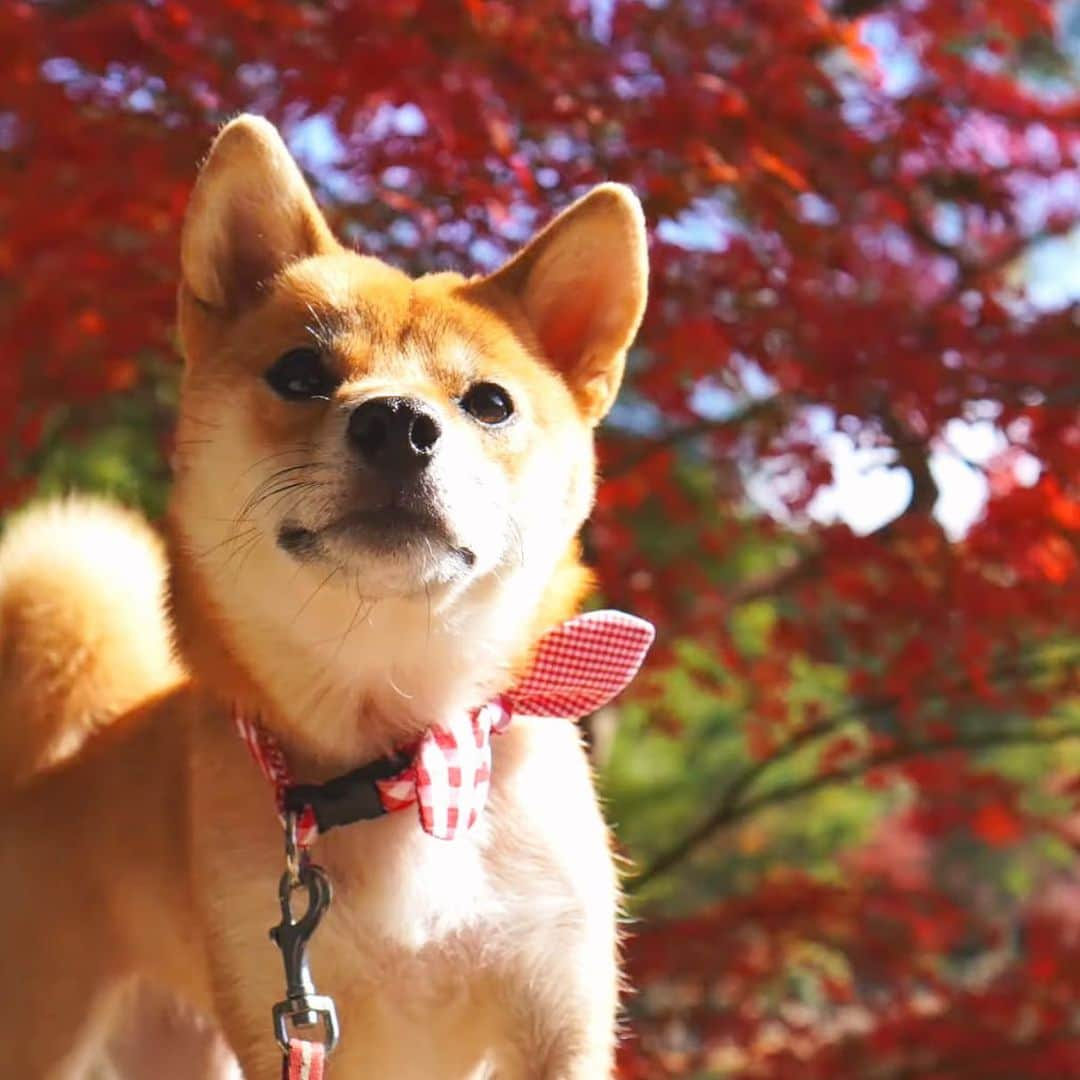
(394,432)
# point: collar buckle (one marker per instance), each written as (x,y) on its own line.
(351,797)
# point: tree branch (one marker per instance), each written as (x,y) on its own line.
(730,811)
(775,581)
(856,9)
(689,432)
(913,455)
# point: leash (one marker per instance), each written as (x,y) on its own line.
(304,1061)
(578,667)
(302,1007)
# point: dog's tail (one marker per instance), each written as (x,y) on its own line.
(84,631)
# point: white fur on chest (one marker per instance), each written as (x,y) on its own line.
(397,887)
(437,941)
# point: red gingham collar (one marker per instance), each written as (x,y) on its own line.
(578,667)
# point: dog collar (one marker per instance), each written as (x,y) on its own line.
(579,666)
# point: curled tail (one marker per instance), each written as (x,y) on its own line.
(84,632)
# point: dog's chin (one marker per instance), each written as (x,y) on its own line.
(388,551)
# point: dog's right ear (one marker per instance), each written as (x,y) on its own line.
(251,214)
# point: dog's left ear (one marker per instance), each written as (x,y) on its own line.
(581,284)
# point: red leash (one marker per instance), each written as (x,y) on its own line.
(305,1061)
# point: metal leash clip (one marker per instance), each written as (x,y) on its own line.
(302,1007)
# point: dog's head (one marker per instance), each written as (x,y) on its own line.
(352,434)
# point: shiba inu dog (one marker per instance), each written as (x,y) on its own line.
(379,483)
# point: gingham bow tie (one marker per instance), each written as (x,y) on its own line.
(578,667)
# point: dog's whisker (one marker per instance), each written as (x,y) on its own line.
(318,589)
(301,448)
(232,538)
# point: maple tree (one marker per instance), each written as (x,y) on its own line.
(849,778)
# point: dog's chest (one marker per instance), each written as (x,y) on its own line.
(398,892)
(418,937)
(425,921)
(427,945)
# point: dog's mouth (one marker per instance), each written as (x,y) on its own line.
(384,530)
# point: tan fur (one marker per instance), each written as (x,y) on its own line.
(494,955)
(84,636)
(83,631)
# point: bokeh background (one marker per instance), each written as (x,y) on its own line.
(843,478)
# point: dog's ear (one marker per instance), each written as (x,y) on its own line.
(250,215)
(581,284)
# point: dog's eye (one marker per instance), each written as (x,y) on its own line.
(488,403)
(300,375)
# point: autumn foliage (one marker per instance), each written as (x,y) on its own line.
(849,781)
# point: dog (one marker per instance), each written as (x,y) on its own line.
(378,488)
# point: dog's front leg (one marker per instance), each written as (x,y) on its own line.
(561,1021)
(555,954)
(583,1050)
